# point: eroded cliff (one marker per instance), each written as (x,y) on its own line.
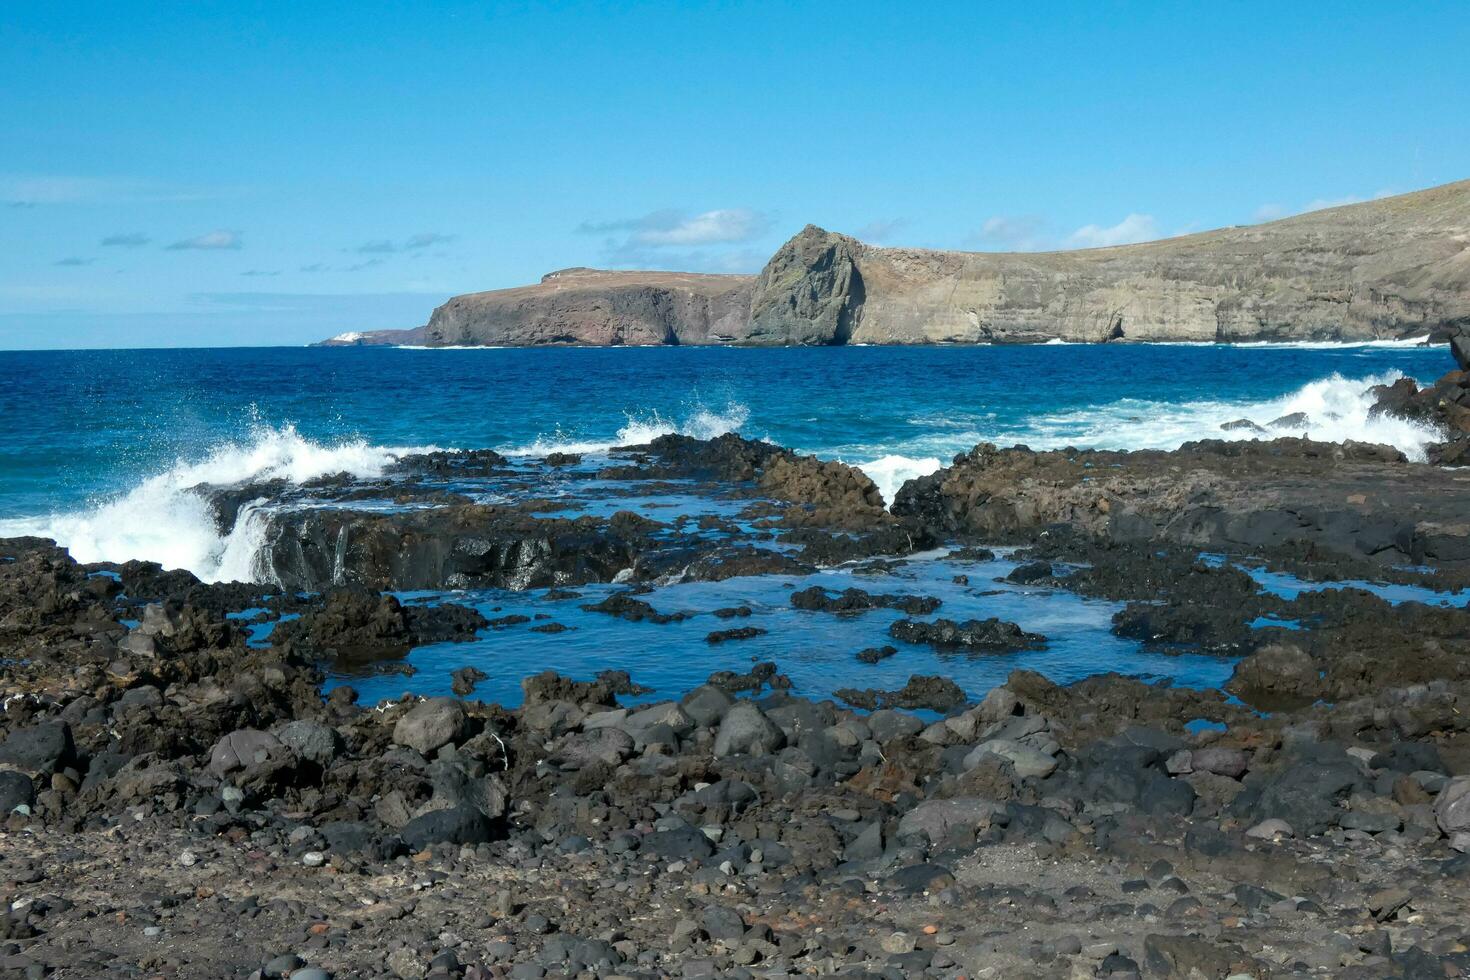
(1394,267)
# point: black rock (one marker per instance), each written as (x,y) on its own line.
(40,748)
(679,844)
(973,634)
(458,825)
(1031,571)
(16,790)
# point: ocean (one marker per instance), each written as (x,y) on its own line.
(104,451)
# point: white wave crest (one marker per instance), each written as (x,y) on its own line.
(892,472)
(165,519)
(1332,409)
(701,423)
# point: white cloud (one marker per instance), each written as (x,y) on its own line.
(723,226)
(210,241)
(1134,228)
(74,261)
(130,239)
(662,229)
(650,239)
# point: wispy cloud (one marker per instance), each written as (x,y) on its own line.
(413,243)
(662,229)
(314,267)
(881,230)
(424,239)
(74,261)
(1012,233)
(368,264)
(676,239)
(210,241)
(46,189)
(1134,228)
(129,239)
(261,272)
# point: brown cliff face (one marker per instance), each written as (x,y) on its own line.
(1390,268)
(593,307)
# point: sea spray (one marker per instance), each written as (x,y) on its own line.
(166,517)
(641,428)
(1332,409)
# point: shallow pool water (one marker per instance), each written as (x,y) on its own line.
(815,649)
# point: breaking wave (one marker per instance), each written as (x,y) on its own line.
(893,471)
(166,519)
(701,423)
(1333,409)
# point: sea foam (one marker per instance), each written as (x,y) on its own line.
(1335,408)
(165,518)
(641,428)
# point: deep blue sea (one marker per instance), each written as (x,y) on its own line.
(101,450)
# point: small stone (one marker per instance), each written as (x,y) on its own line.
(188,859)
(283,964)
(313,859)
(898,943)
(1271,830)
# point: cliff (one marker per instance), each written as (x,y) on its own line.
(590,306)
(1394,267)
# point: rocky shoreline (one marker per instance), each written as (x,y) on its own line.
(185,794)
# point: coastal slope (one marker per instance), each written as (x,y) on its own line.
(1391,268)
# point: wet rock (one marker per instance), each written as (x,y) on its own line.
(1030,571)
(624,606)
(740,633)
(852,601)
(873,655)
(980,636)
(1276,671)
(431,724)
(464,680)
(926,693)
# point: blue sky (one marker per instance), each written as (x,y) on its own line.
(214,173)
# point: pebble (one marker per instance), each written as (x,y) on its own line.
(1271,829)
(898,943)
(188,859)
(313,859)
